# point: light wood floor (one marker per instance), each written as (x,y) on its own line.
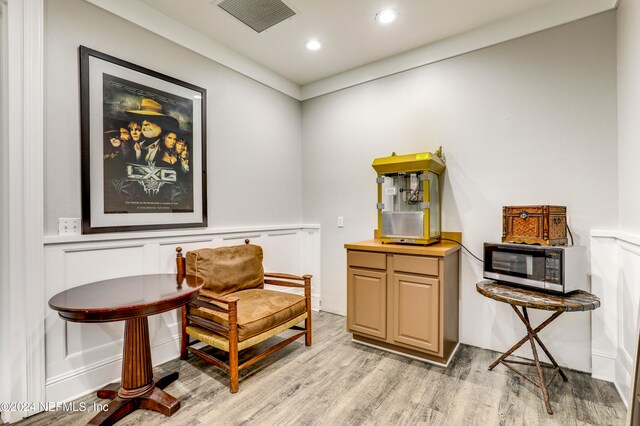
(337,382)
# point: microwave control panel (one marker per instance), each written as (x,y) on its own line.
(553,268)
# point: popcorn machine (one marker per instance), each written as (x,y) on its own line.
(409,197)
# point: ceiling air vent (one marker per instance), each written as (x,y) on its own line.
(257,14)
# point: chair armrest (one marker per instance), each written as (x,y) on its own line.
(305,278)
(231,311)
(204,303)
(285,276)
(218,299)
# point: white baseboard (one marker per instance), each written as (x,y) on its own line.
(603,366)
(315,302)
(621,392)
(622,381)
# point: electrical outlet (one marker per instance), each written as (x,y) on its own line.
(69,226)
(340,222)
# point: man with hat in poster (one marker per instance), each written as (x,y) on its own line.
(154,122)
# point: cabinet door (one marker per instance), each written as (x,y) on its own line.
(416,313)
(367,302)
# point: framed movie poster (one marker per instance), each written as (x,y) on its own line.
(143,148)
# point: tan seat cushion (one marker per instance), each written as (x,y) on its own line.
(227,269)
(259,310)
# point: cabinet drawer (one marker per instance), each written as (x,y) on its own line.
(365,259)
(416,264)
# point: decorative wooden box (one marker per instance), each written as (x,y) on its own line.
(544,225)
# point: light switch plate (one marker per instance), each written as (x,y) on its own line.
(340,222)
(69,226)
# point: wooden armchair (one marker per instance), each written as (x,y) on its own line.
(234,311)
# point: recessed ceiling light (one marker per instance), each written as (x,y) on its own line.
(313,44)
(386,16)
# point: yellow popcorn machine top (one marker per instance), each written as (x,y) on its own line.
(409,197)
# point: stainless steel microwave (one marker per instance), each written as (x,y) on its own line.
(556,269)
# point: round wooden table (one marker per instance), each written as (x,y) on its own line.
(576,301)
(130,299)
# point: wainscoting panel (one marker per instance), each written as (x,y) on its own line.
(615,266)
(71,345)
(629,281)
(81,358)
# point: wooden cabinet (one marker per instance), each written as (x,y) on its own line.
(404,298)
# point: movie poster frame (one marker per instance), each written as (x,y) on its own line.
(169,219)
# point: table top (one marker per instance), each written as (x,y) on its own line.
(127,297)
(576,301)
(442,248)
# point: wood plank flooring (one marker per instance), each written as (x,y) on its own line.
(338,382)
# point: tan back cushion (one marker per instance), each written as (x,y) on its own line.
(227,269)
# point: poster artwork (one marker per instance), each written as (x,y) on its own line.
(148,140)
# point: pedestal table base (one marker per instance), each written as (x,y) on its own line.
(138,388)
(154,399)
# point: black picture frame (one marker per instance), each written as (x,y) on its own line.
(146,177)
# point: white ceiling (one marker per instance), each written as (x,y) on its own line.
(347,29)
(356,49)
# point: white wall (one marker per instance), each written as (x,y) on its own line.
(529,121)
(253,131)
(628,110)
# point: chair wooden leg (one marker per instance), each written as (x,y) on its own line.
(234,382)
(184,337)
(233,348)
(307,326)
(307,297)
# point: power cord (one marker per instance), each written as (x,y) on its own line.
(570,234)
(462,245)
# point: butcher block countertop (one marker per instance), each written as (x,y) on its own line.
(441,249)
